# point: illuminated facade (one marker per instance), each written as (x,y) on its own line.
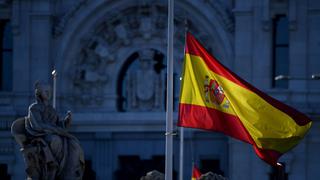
(100,50)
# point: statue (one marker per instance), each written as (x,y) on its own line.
(211,176)
(153,175)
(49,151)
(144,86)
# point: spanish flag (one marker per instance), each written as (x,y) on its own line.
(196,174)
(214,98)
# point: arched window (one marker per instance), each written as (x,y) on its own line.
(5,56)
(141,83)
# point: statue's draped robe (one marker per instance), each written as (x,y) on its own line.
(61,149)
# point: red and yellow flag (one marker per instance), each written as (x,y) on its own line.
(196,174)
(215,99)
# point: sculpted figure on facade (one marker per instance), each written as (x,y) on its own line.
(89,78)
(92,67)
(144,87)
(50,152)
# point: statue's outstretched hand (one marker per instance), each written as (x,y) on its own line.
(68,119)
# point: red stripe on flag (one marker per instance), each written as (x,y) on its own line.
(195,48)
(269,156)
(194,116)
(200,117)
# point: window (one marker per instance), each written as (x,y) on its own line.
(280,50)
(4,172)
(5,56)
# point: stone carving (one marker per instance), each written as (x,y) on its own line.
(103,50)
(111,38)
(153,175)
(146,27)
(122,34)
(90,75)
(211,176)
(144,86)
(49,151)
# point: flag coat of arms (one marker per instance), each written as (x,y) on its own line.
(214,98)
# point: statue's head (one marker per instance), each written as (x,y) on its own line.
(146,58)
(42,91)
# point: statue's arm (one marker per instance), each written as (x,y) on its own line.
(38,124)
(35,118)
(67,120)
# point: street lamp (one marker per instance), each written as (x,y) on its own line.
(282,77)
(286,77)
(315,76)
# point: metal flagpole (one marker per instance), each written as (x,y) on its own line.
(181,128)
(181,153)
(54,76)
(169,112)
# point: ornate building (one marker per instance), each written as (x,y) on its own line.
(110,56)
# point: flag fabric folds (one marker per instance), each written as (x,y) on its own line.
(214,98)
(195,173)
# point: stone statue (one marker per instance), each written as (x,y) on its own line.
(49,151)
(211,176)
(144,87)
(153,175)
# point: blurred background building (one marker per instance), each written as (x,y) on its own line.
(110,56)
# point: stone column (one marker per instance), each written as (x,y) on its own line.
(240,160)
(313,43)
(298,45)
(298,166)
(239,152)
(262,44)
(243,39)
(312,151)
(102,161)
(21,55)
(40,26)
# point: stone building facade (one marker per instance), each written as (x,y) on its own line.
(101,48)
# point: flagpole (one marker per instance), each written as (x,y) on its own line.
(54,76)
(181,153)
(169,112)
(181,128)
